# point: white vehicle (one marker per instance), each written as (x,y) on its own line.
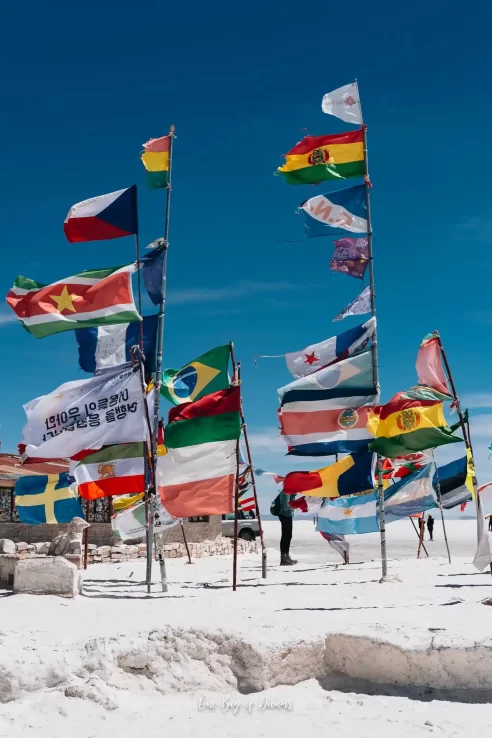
(248,527)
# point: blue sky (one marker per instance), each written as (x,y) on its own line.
(84,88)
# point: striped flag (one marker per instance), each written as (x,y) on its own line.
(114,470)
(92,298)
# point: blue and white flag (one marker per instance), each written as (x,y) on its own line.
(357,514)
(153,272)
(410,496)
(336,380)
(359,306)
(319,355)
(336,213)
(452,482)
(109,346)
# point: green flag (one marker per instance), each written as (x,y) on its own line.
(206,374)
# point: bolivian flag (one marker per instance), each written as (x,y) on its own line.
(155,159)
(406,425)
(319,158)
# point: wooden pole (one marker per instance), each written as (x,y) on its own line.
(236,523)
(440,505)
(86,533)
(418,535)
(421,535)
(244,429)
(158,373)
(375,361)
(186,543)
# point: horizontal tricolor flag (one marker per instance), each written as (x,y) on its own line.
(336,213)
(351,475)
(318,355)
(155,159)
(319,158)
(103,217)
(114,470)
(451,479)
(197,474)
(405,425)
(92,298)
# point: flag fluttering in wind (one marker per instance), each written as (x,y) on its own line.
(483,554)
(336,213)
(429,366)
(114,470)
(202,376)
(49,499)
(91,298)
(359,306)
(315,421)
(338,544)
(402,466)
(346,515)
(452,480)
(196,476)
(352,474)
(122,502)
(155,159)
(311,505)
(410,495)
(319,355)
(153,272)
(344,103)
(319,158)
(406,425)
(104,217)
(109,346)
(130,523)
(86,414)
(351,257)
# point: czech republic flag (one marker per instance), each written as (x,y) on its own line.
(103,217)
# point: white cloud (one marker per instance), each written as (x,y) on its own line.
(476,400)
(8,318)
(243,288)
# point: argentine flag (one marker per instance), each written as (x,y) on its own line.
(347,515)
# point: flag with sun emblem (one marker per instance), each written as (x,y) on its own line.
(202,376)
(346,515)
(92,298)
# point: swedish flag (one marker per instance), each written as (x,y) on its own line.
(200,377)
(47,499)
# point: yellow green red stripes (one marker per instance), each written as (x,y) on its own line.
(319,158)
(155,159)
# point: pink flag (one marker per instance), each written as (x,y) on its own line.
(157,145)
(429,366)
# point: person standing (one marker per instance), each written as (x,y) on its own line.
(430,527)
(281,509)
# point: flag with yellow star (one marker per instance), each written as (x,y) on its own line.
(50,498)
(92,298)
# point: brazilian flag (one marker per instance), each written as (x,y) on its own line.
(200,377)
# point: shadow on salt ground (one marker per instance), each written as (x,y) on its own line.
(113,583)
(368,607)
(101,596)
(460,586)
(6,594)
(465,574)
(346,684)
(206,585)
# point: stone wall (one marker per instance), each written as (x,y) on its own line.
(100,534)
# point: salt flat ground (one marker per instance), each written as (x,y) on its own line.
(316,647)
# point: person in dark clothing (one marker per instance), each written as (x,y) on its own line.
(286,517)
(490,523)
(430,527)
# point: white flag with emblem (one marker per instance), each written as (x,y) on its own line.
(344,103)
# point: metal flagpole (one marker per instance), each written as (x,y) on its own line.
(236,521)
(158,373)
(375,364)
(440,504)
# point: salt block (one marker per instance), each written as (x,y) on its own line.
(7,546)
(8,563)
(52,575)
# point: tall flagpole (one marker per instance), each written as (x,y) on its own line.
(375,364)
(158,372)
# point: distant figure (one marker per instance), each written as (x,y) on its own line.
(490,523)
(280,508)
(430,527)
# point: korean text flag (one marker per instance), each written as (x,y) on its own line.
(336,214)
(345,515)
(86,414)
